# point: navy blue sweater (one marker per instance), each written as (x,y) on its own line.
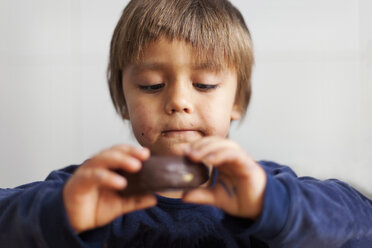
(298,212)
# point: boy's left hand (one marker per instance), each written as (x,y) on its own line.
(241,182)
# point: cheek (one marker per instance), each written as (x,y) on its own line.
(142,122)
(217,120)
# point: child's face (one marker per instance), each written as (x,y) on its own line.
(172,101)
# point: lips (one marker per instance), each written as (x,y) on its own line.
(178,133)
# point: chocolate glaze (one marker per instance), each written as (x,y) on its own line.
(165,173)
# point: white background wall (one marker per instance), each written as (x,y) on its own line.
(312,86)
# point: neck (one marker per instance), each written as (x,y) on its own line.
(172,194)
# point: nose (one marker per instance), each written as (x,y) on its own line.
(178,99)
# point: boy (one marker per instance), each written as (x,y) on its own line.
(180,73)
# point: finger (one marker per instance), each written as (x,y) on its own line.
(115,159)
(110,179)
(200,196)
(213,147)
(137,202)
(199,144)
(99,177)
(221,195)
(199,149)
(223,155)
(141,153)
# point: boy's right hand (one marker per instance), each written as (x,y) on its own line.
(90,196)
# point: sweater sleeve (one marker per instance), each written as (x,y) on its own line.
(306,212)
(33,215)
(318,213)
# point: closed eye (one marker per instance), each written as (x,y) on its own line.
(151,88)
(205,87)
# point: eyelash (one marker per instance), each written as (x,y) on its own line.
(152,88)
(205,87)
(157,87)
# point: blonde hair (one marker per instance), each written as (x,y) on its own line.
(214,28)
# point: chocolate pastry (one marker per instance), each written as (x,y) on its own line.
(165,173)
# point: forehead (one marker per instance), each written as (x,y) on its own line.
(164,52)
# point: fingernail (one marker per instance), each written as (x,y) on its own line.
(144,150)
(134,162)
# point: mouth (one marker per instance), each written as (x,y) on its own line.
(177,133)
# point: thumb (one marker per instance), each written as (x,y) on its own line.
(200,196)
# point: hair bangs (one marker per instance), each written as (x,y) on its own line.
(191,21)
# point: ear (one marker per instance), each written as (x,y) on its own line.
(236,113)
